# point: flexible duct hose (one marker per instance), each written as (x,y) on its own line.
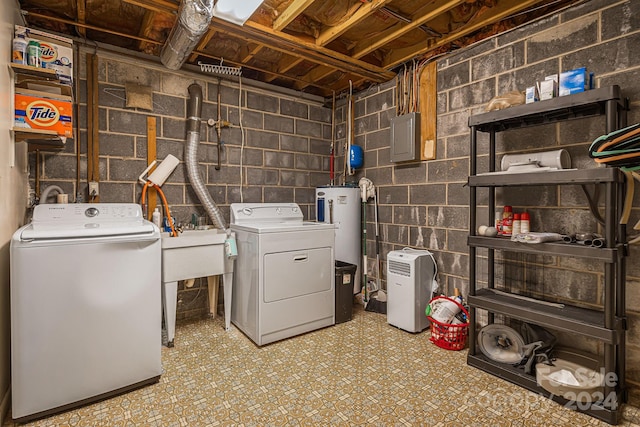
(194,110)
(47,192)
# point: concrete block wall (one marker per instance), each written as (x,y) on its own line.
(426,204)
(285,153)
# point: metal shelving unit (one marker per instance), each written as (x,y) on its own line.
(607,323)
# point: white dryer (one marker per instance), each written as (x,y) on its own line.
(284,282)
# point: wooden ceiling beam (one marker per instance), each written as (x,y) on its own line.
(421,16)
(309,51)
(290,13)
(92,27)
(364,11)
(146,27)
(202,43)
(270,72)
(502,10)
(81,6)
(251,52)
(315,75)
(287,64)
(160,6)
(291,45)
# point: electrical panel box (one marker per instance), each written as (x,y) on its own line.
(405,138)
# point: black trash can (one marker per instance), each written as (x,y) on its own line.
(345,275)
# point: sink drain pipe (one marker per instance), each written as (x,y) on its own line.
(194,110)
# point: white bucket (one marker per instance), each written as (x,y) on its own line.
(444,310)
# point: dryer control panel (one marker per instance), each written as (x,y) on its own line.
(263,213)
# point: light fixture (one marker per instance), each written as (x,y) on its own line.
(236,11)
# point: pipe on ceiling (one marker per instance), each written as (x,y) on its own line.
(193,21)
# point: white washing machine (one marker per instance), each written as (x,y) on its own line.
(85,306)
(284,282)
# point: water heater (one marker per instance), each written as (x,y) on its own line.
(340,205)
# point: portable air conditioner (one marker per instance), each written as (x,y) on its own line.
(411,281)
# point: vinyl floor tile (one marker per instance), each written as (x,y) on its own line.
(359,373)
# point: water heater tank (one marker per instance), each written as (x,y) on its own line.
(341,206)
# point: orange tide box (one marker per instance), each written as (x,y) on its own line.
(35,112)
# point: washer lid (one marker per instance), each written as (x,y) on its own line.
(84,220)
(501,343)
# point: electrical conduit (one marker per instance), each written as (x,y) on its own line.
(194,110)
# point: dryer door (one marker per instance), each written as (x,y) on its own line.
(296,273)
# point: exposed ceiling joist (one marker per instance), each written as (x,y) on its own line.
(319,55)
(365,10)
(290,13)
(502,10)
(318,46)
(160,6)
(82,15)
(421,16)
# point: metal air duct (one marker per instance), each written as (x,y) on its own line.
(194,109)
(193,20)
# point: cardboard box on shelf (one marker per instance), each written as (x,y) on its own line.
(548,89)
(574,81)
(50,113)
(56,52)
(531,95)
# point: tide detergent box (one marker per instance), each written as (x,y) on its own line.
(36,112)
(56,52)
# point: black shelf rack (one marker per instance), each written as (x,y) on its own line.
(606,324)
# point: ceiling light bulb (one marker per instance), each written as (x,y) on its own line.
(236,11)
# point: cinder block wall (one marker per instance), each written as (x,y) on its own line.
(426,204)
(285,154)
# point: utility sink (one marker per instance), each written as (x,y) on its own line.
(193,254)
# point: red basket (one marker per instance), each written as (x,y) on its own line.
(446,335)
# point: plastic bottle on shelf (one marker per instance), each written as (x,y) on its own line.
(525,226)
(19,55)
(33,53)
(156,218)
(499,222)
(507,221)
(516,227)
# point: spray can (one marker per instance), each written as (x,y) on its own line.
(525,226)
(507,221)
(516,226)
(499,222)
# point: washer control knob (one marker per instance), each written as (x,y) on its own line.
(91,212)
(247,211)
